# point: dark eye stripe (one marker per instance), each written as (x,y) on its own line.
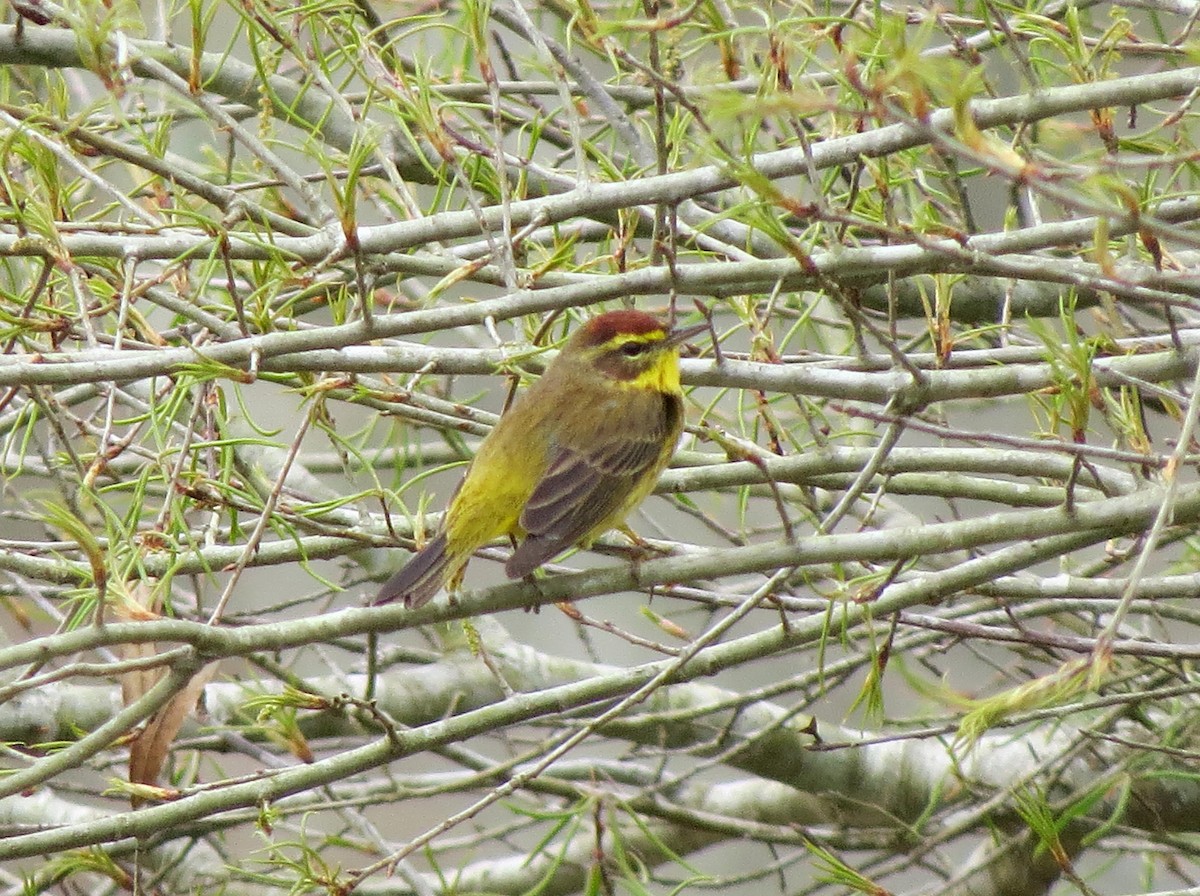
(633,349)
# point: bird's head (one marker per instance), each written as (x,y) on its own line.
(632,348)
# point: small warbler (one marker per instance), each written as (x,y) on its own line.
(577,451)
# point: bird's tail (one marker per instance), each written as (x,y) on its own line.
(421,577)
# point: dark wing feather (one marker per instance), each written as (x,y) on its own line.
(421,577)
(558,495)
(581,489)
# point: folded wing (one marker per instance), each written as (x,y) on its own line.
(586,488)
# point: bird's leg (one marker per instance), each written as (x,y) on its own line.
(640,549)
(454,584)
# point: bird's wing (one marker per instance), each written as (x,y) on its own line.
(585,487)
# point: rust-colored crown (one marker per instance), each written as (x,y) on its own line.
(603,327)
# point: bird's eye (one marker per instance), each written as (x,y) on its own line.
(633,349)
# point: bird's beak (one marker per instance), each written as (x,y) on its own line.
(678,337)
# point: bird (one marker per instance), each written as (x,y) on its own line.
(578,450)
